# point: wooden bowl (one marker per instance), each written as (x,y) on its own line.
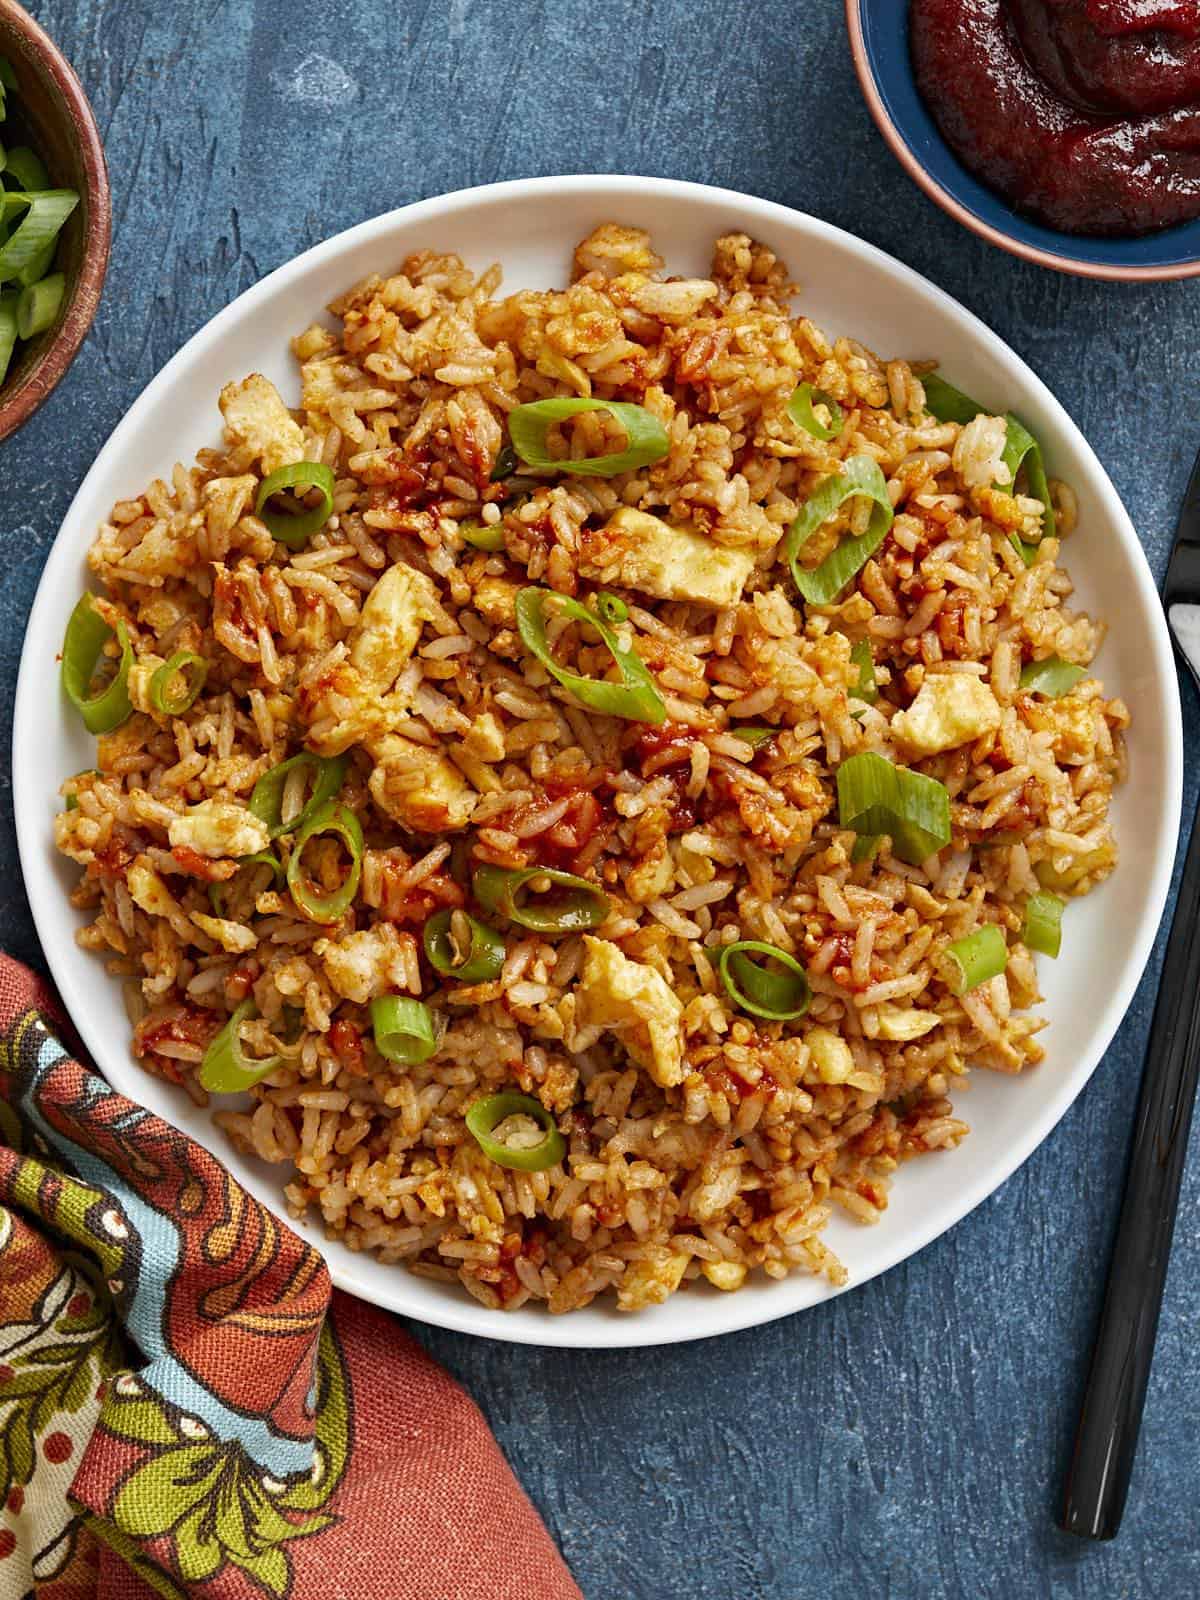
(50,112)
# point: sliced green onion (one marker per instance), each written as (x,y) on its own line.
(480,962)
(778,996)
(541,898)
(505,465)
(8,329)
(403,1029)
(1027,552)
(8,77)
(331,907)
(636,697)
(494,1111)
(864,847)
(611,607)
(175,685)
(39,266)
(296,528)
(860,476)
(45,214)
(38,305)
(266,799)
(217,892)
(225,1068)
(646,438)
(71,801)
(1043,923)
(755,736)
(1052,677)
(87,634)
(875,797)
(980,956)
(949,404)
(865,688)
(800,409)
(26,169)
(482,536)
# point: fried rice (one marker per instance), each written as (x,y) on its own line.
(700,1142)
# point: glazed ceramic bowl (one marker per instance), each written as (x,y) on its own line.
(50,112)
(878,32)
(531,228)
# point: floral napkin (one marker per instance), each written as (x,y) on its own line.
(185,1406)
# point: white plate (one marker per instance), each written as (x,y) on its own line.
(848,286)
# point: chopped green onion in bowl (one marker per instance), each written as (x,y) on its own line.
(32,215)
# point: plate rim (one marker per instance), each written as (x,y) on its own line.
(621,1332)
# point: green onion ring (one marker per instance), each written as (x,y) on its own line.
(45,214)
(864,660)
(949,404)
(484,957)
(261,858)
(27,170)
(505,464)
(1052,677)
(777,996)
(611,608)
(646,438)
(87,633)
(266,799)
(191,669)
(1043,924)
(823,583)
(38,305)
(341,821)
(976,959)
(578,905)
(635,698)
(875,797)
(8,76)
(487,1114)
(8,329)
(755,736)
(296,529)
(1027,552)
(483,537)
(403,1029)
(800,409)
(225,1068)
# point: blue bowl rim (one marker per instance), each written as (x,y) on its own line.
(1059,261)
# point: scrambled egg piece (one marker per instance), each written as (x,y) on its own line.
(1073,722)
(726,1275)
(256,417)
(440,798)
(649,1283)
(906,1022)
(951,708)
(642,552)
(831,1055)
(364,965)
(624,994)
(386,634)
(231,936)
(219,828)
(147,890)
(496,599)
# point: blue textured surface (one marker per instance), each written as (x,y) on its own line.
(905,1440)
(885,34)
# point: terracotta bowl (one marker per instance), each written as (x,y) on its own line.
(50,112)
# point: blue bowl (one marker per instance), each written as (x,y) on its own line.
(879,42)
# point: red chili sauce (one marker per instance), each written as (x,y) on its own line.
(1083,113)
